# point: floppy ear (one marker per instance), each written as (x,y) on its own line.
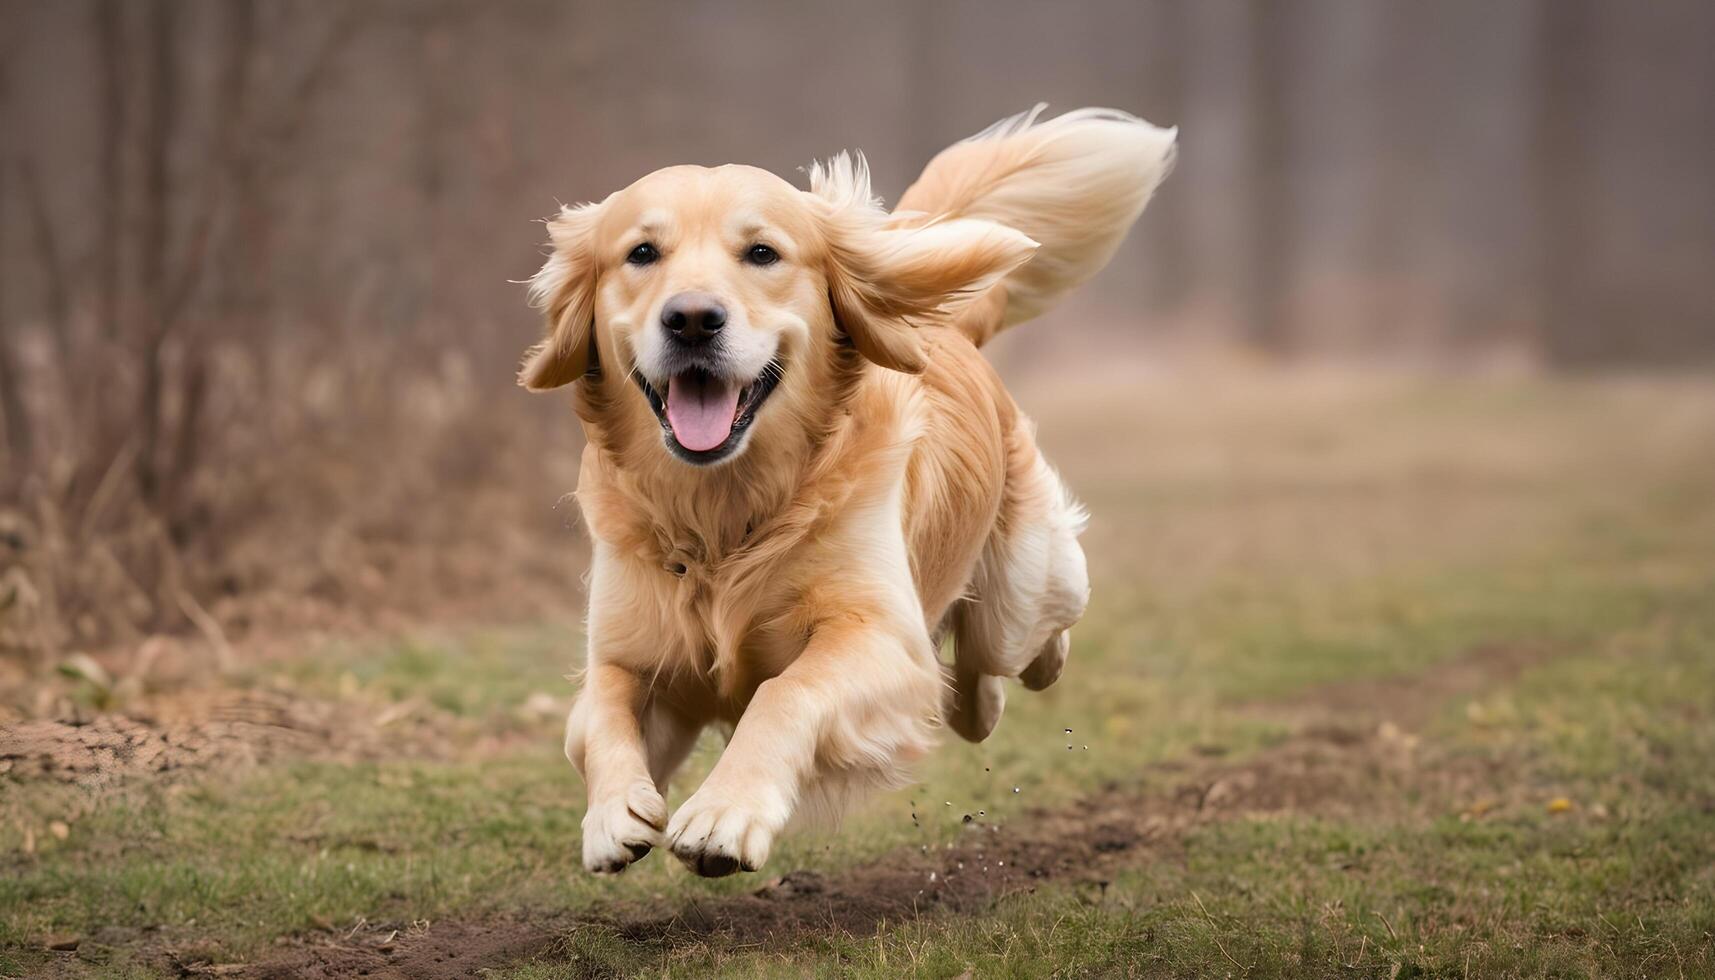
(886,279)
(564,289)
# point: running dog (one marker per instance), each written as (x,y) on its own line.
(801,476)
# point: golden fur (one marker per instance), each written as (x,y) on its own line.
(888,493)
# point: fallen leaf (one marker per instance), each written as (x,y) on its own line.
(82,666)
(1559,804)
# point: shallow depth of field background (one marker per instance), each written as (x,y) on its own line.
(1394,414)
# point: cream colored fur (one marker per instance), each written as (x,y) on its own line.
(1075,184)
(888,493)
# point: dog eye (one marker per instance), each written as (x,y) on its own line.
(643,254)
(761,255)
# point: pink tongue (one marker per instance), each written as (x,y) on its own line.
(701,410)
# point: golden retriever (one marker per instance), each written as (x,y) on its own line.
(801,475)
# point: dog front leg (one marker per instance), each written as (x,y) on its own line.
(604,740)
(858,704)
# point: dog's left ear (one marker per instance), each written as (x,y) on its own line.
(564,289)
(886,278)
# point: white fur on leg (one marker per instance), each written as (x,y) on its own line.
(716,834)
(622,828)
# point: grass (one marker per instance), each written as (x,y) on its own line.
(1309,897)
(1251,547)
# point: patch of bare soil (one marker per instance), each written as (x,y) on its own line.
(199,729)
(1317,771)
(441,950)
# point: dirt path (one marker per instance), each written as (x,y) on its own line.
(1352,748)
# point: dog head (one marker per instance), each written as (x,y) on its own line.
(722,298)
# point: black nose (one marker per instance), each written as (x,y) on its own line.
(693,317)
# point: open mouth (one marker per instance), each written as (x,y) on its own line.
(704,415)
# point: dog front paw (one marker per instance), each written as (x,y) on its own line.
(623,828)
(715,835)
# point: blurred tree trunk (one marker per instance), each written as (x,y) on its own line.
(1167,227)
(1266,310)
(159,125)
(16,452)
(102,427)
(55,280)
(111,62)
(213,223)
(1570,327)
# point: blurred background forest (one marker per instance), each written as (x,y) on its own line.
(258,317)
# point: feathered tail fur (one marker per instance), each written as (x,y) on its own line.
(1074,184)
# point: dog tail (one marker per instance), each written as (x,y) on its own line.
(1074,183)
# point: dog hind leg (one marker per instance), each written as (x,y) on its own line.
(1030,586)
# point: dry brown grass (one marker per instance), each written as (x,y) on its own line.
(365,500)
